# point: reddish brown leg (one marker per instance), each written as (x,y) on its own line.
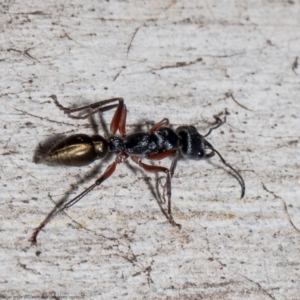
(119,119)
(162,155)
(174,163)
(155,169)
(122,123)
(100,106)
(160,124)
(108,172)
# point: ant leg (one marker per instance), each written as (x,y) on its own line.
(174,163)
(150,168)
(119,119)
(122,123)
(160,124)
(159,156)
(108,172)
(100,106)
(162,155)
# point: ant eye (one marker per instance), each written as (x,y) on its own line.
(201,154)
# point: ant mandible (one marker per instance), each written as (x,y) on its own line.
(159,143)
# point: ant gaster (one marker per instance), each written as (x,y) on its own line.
(160,142)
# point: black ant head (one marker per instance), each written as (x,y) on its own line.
(192,142)
(194,146)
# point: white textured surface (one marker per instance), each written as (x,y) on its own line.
(83,51)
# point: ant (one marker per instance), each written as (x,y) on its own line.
(160,142)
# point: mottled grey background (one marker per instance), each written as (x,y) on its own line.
(185,60)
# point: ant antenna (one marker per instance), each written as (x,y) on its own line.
(239,177)
(219,123)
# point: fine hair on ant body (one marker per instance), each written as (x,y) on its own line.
(160,142)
